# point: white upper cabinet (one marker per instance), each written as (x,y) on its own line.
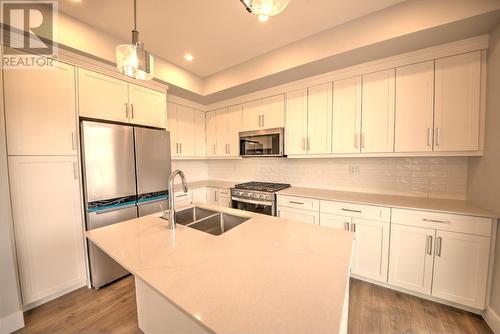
(181,124)
(102,96)
(461,268)
(296,122)
(200,146)
(211,126)
(147,106)
(221,132)
(377,132)
(234,115)
(347,115)
(265,113)
(172,127)
(414,107)
(319,124)
(41,119)
(457,102)
(411,257)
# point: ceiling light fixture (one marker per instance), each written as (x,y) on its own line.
(132,59)
(265,8)
(188,57)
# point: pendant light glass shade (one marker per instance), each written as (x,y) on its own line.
(134,61)
(265,7)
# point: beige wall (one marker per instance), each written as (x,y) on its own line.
(484,179)
(9,292)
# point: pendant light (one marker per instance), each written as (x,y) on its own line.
(132,59)
(265,8)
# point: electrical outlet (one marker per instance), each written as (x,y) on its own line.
(353,170)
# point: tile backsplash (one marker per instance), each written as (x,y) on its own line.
(195,170)
(435,177)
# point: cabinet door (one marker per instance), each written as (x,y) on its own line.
(212,196)
(222,131)
(411,258)
(252,115)
(377,131)
(296,122)
(48,225)
(224,197)
(335,221)
(273,112)
(304,216)
(233,135)
(347,115)
(461,268)
(371,249)
(185,131)
(102,97)
(319,125)
(147,106)
(41,117)
(414,107)
(172,128)
(200,146)
(211,133)
(200,195)
(457,102)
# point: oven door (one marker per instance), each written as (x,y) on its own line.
(262,207)
(262,143)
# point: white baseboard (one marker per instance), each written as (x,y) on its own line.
(12,322)
(492,319)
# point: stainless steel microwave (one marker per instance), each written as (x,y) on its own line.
(262,143)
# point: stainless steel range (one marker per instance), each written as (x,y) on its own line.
(259,197)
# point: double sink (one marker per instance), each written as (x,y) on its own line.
(208,221)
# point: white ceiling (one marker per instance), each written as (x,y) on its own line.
(219,33)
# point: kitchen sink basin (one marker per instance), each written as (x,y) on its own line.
(218,223)
(192,214)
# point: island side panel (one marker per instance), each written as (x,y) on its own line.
(157,315)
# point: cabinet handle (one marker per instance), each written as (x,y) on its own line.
(215,195)
(293,202)
(260,121)
(126,110)
(131,111)
(429,137)
(429,244)
(182,195)
(438,246)
(308,143)
(73,141)
(228,148)
(346,226)
(303,144)
(362,139)
(263,120)
(350,210)
(180,148)
(177,148)
(353,227)
(356,140)
(438,136)
(75,171)
(279,213)
(214,148)
(436,221)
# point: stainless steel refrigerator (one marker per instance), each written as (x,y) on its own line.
(126,170)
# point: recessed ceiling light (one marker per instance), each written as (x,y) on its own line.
(263,18)
(188,57)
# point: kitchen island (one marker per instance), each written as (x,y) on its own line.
(267,275)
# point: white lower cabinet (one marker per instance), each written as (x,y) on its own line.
(48,225)
(182,199)
(335,221)
(411,258)
(304,216)
(371,249)
(461,268)
(200,195)
(215,196)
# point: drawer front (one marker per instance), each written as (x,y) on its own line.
(298,202)
(357,211)
(443,221)
(183,199)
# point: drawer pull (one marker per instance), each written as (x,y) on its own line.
(183,195)
(436,221)
(346,226)
(350,210)
(293,202)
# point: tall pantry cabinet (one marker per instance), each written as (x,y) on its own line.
(41,126)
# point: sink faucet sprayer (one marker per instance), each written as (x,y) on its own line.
(171,210)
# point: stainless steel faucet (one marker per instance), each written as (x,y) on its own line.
(171,210)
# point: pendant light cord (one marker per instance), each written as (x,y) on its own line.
(135,14)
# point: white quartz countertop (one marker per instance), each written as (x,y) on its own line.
(267,275)
(393,201)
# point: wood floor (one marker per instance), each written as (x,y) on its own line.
(372,309)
